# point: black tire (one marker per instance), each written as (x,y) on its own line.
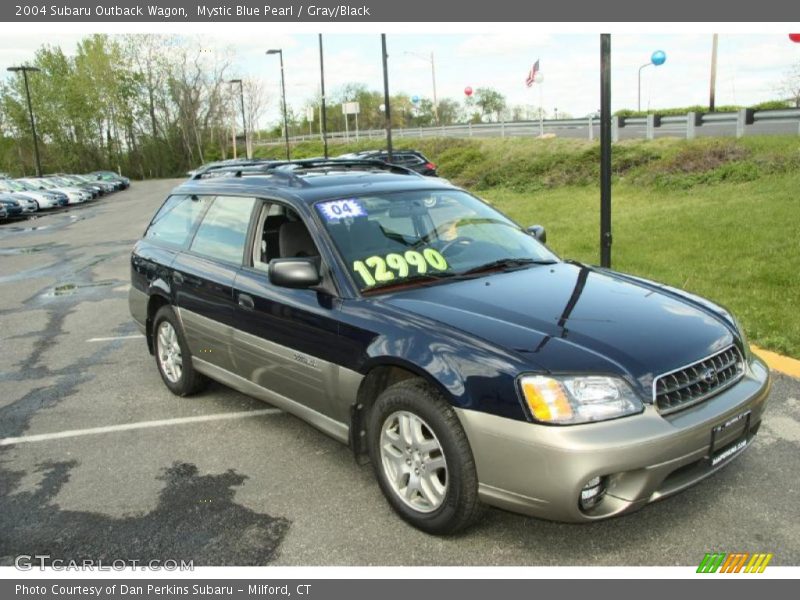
(460,506)
(190,381)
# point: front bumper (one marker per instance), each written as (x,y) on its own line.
(540,470)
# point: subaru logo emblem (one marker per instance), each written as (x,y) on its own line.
(709,376)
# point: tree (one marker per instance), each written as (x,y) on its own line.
(490,102)
(449,111)
(255,101)
(790,87)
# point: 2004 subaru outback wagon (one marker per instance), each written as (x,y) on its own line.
(405,317)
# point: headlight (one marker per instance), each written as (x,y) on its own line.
(571,400)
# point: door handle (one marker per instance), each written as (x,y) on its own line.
(246,302)
(177,277)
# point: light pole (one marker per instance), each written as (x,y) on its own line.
(279,52)
(431,60)
(244,122)
(24,69)
(386,99)
(322,117)
(713,83)
(656,59)
(605,150)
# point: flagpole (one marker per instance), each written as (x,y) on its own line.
(541,111)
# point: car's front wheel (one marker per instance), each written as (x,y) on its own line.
(172,355)
(422,458)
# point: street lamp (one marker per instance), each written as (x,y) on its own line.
(244,122)
(656,59)
(387,113)
(24,69)
(279,52)
(322,118)
(433,78)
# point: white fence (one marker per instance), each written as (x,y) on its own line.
(691,125)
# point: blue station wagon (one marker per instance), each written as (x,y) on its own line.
(407,318)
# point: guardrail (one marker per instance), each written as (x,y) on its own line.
(689,126)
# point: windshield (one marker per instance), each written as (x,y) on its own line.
(28,185)
(412,237)
(33,185)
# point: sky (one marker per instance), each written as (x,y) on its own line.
(750,67)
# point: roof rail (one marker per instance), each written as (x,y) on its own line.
(233,164)
(264,170)
(290,170)
(352,163)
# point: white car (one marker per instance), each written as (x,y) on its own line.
(43,200)
(75,195)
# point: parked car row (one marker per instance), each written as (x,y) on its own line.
(27,195)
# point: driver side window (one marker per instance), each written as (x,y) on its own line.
(280,233)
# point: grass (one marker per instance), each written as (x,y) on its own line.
(734,243)
(716,216)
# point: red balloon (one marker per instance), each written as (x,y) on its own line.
(468,91)
(795,37)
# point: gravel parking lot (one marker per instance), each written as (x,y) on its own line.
(99,460)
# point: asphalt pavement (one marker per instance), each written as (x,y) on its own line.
(98,460)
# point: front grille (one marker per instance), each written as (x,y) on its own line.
(697,382)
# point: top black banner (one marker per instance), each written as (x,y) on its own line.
(343,11)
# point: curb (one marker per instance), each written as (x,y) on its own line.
(777,362)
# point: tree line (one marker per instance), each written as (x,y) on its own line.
(147,105)
(158,105)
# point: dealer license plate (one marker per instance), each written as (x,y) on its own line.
(718,455)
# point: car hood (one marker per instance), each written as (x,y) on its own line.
(572,318)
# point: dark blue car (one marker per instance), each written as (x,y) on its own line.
(12,206)
(407,318)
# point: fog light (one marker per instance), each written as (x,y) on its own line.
(592,493)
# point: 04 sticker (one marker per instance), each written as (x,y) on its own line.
(380,269)
(335,210)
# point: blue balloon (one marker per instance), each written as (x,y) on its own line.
(659,58)
(415,99)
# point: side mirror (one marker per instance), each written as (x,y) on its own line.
(294,272)
(538,232)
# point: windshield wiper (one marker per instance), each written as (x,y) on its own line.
(508,262)
(421,278)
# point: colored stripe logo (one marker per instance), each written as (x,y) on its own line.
(736,562)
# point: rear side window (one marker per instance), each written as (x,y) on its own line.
(174,223)
(223,232)
(408,159)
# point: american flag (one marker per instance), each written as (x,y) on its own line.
(532,74)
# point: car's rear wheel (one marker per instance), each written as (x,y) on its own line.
(422,458)
(172,355)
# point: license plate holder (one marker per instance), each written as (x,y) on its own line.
(718,455)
